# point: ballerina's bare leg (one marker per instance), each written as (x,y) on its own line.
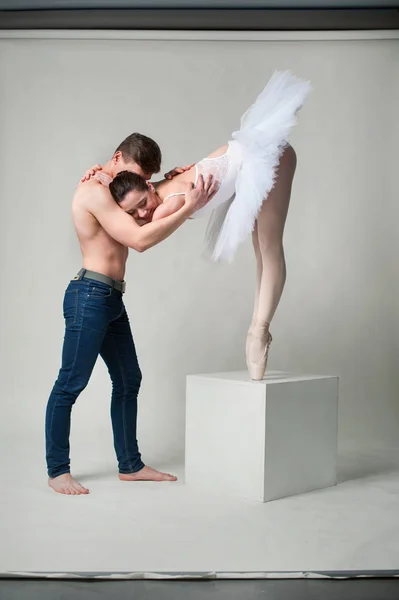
(267,240)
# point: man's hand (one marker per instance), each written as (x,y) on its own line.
(198,196)
(90,172)
(177,171)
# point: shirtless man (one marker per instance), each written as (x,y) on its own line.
(96,322)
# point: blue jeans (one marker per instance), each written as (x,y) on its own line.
(96,323)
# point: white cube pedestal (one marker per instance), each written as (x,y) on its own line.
(261,440)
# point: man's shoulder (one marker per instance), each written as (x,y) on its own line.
(91,193)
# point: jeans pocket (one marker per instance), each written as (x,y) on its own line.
(100,291)
(70,307)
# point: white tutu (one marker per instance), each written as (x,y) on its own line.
(248,169)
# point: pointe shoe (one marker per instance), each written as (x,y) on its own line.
(257,368)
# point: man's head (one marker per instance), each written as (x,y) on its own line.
(138,154)
(134,195)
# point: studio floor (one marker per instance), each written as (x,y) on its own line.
(147,528)
(298,589)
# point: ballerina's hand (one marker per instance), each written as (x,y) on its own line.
(103,178)
(90,172)
(177,171)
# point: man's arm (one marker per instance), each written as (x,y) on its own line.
(169,175)
(124,229)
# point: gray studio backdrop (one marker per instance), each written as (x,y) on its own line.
(67,103)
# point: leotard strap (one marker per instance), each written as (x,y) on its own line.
(174,194)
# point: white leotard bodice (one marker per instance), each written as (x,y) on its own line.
(224,169)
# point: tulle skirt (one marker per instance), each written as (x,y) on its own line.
(253,157)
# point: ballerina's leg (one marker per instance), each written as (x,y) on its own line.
(271,267)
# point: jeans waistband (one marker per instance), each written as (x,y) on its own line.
(120,286)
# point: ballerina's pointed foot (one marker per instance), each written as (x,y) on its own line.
(257,351)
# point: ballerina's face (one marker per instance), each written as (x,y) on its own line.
(141,204)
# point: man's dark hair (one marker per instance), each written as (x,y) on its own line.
(143,150)
(124,183)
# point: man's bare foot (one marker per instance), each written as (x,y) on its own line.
(147,474)
(65,484)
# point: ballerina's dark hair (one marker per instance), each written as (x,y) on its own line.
(126,182)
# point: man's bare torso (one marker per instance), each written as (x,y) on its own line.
(100,252)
